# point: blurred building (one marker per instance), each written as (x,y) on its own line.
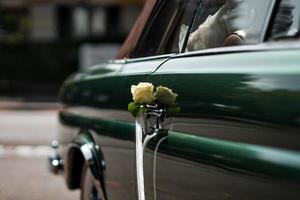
(43,41)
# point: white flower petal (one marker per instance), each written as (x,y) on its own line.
(133,87)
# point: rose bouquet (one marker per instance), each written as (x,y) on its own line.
(143,96)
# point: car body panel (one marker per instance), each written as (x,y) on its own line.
(248,98)
(195,167)
(231,129)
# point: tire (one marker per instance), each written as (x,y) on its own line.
(88,190)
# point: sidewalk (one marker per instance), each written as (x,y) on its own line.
(14,104)
(27,127)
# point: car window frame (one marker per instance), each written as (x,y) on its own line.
(167,32)
(267,46)
(163,44)
(268,24)
(149,23)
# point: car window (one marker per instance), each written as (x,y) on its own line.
(287,20)
(167,28)
(221,23)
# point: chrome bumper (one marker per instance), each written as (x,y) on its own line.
(55,161)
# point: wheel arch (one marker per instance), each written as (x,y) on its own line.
(83,149)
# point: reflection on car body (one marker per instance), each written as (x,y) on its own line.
(237,135)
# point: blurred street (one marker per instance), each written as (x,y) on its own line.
(41,44)
(25,134)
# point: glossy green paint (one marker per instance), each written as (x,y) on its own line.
(108,85)
(235,156)
(240,117)
(246,94)
(253,159)
(112,128)
(260,86)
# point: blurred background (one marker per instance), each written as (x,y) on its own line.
(41,43)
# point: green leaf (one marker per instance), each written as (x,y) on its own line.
(143,110)
(133,108)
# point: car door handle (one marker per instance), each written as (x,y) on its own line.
(151,119)
(153,110)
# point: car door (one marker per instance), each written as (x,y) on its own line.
(237,135)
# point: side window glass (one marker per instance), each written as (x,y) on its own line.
(286,23)
(167,28)
(221,23)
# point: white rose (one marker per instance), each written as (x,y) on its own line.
(143,93)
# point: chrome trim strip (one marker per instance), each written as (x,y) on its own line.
(197,126)
(270,46)
(166,56)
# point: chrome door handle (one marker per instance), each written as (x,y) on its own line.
(153,110)
(151,118)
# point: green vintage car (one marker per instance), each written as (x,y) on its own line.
(235,65)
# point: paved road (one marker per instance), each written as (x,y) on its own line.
(27,127)
(24,136)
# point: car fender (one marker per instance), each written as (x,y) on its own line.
(83,146)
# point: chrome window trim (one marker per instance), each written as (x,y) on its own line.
(117,61)
(277,45)
(149,58)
